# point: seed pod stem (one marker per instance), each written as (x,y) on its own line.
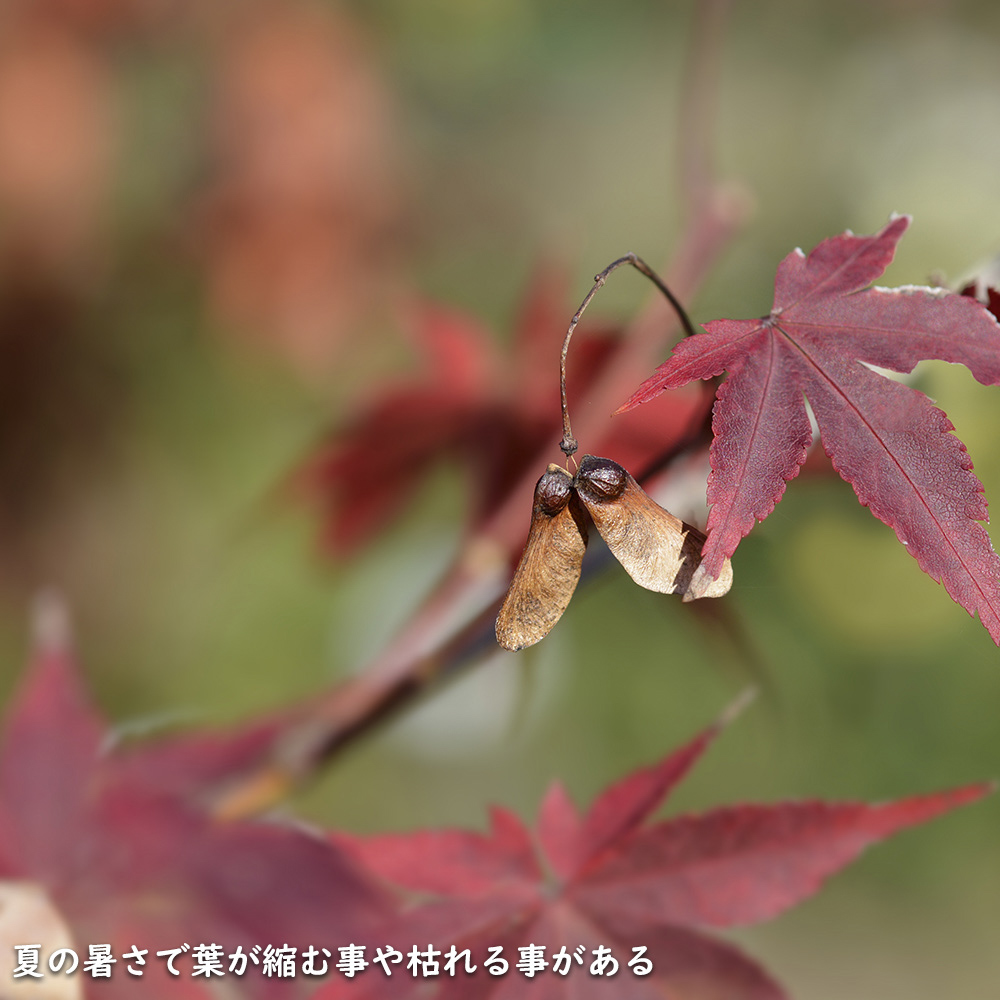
(569,444)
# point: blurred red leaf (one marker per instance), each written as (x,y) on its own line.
(98,21)
(298,218)
(618,881)
(886,439)
(124,859)
(57,142)
(491,415)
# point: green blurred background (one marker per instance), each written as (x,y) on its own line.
(171,350)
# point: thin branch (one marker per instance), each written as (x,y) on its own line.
(310,734)
(433,644)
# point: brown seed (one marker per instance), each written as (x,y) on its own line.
(659,551)
(549,568)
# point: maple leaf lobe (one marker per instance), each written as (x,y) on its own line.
(620,881)
(837,266)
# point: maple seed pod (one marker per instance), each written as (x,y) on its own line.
(659,551)
(549,568)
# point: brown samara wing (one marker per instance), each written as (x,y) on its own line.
(549,568)
(659,551)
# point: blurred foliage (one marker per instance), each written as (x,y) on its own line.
(198,275)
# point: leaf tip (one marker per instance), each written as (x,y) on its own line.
(897,225)
(903,813)
(980,791)
(630,404)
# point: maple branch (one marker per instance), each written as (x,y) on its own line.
(433,645)
(307,735)
(569,443)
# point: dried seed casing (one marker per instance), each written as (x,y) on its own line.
(659,551)
(549,568)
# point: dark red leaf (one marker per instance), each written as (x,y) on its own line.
(489,414)
(748,863)
(198,767)
(124,855)
(450,862)
(691,964)
(625,806)
(559,831)
(886,439)
(611,881)
(48,753)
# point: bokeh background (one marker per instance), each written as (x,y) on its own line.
(207,213)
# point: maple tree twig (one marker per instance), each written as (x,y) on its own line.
(569,443)
(306,736)
(431,646)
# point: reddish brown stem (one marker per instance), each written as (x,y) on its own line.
(436,643)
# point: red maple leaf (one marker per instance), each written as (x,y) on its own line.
(608,878)
(886,439)
(123,855)
(490,414)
